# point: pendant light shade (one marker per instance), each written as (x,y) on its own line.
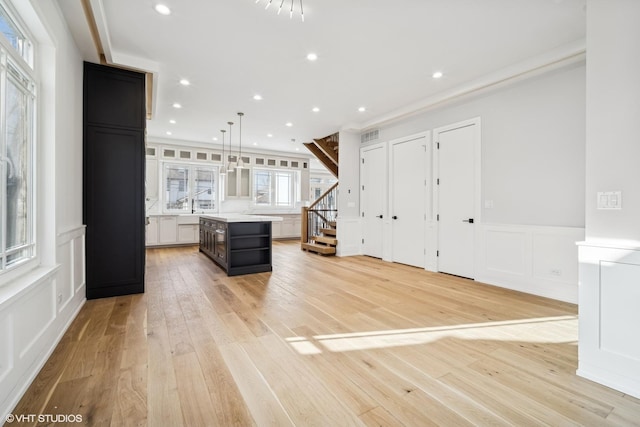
(223,168)
(240,162)
(231,166)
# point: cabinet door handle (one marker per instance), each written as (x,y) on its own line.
(395,217)
(470,220)
(378,216)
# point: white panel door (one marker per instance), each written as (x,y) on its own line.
(408,201)
(373,198)
(457,200)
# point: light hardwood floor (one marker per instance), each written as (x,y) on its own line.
(321,342)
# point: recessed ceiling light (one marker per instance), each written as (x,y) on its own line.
(162,9)
(362,109)
(269,135)
(437,74)
(315,109)
(255,143)
(312,56)
(214,138)
(169,133)
(185,82)
(173,122)
(176,105)
(288,124)
(297,149)
(257,97)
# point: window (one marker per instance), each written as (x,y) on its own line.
(17,104)
(275,188)
(189,188)
(20,43)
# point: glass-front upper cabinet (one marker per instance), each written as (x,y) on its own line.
(238,180)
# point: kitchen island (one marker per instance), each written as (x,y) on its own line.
(239,244)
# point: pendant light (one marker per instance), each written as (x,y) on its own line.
(231,166)
(240,162)
(223,168)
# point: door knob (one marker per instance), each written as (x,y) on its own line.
(470,220)
(378,216)
(395,217)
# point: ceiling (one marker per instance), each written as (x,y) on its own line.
(376,54)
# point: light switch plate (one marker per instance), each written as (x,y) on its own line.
(609,200)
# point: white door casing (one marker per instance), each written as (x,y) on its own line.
(407,207)
(373,198)
(458,193)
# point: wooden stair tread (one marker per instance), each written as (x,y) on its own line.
(321,249)
(328,231)
(325,240)
(332,224)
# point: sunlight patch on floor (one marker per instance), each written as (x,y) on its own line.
(547,330)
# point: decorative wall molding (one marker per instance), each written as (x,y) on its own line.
(349,236)
(609,299)
(533,259)
(35,317)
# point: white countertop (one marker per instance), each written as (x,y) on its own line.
(233,217)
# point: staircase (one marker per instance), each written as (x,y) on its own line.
(319,224)
(319,219)
(326,150)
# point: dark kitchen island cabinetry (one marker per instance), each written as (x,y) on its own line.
(239,244)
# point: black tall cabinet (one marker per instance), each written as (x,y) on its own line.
(113,175)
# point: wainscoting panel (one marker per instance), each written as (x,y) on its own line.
(35,311)
(36,314)
(6,352)
(533,259)
(349,237)
(507,252)
(609,349)
(78,264)
(619,303)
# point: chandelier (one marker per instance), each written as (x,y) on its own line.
(291,9)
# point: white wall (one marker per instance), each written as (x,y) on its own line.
(609,348)
(532,174)
(348,223)
(37,308)
(533,145)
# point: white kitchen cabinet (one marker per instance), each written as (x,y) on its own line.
(288,228)
(168,227)
(188,233)
(151,236)
(239,181)
(168,230)
(188,229)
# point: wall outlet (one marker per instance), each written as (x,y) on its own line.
(556,272)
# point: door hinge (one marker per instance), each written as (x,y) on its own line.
(363,160)
(438,181)
(363,241)
(438,145)
(438,217)
(437,253)
(362,214)
(363,188)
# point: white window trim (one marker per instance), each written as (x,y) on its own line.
(192,167)
(294,191)
(8,55)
